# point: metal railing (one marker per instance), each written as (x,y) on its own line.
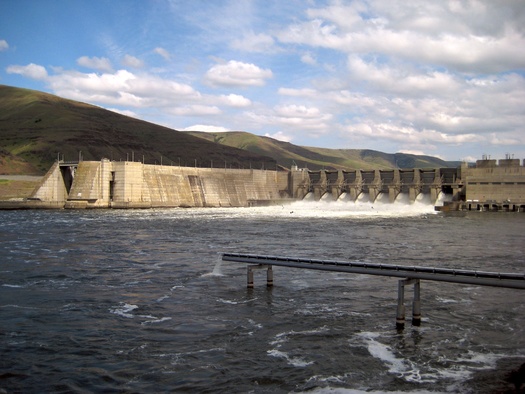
(482,278)
(411,275)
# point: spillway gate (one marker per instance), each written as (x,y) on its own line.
(411,276)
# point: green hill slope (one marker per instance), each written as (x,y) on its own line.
(286,154)
(36,127)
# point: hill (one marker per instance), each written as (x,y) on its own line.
(313,158)
(36,127)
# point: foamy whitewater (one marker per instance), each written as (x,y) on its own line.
(140,301)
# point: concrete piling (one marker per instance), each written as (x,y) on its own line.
(416,304)
(400,315)
(269,276)
(249,274)
(249,277)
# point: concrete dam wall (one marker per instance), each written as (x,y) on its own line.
(486,186)
(107,184)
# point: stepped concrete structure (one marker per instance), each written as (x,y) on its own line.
(487,186)
(107,184)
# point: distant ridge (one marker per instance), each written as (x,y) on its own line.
(313,158)
(36,127)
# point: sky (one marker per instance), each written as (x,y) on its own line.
(440,78)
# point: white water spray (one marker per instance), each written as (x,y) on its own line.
(363,206)
(217,270)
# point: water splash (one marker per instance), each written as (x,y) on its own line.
(363,206)
(217,269)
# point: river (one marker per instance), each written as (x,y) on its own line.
(138,301)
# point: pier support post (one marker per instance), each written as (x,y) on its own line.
(249,274)
(416,305)
(250,277)
(400,315)
(269,276)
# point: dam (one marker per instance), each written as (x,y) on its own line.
(489,185)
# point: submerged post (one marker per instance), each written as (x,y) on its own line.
(249,277)
(400,316)
(249,274)
(416,304)
(269,276)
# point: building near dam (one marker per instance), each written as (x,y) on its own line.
(486,186)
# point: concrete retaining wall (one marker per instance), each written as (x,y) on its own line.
(52,187)
(107,184)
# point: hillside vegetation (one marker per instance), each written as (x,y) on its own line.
(36,128)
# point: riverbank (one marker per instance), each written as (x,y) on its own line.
(17,186)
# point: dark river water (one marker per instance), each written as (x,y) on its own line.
(139,301)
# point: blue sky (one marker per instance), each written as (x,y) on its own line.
(443,78)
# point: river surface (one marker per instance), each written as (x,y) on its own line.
(138,301)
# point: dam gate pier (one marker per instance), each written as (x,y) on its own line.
(372,183)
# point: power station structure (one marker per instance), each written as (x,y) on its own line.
(489,185)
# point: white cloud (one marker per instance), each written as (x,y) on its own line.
(235,100)
(236,73)
(469,159)
(291,119)
(195,110)
(162,52)
(281,136)
(308,58)
(4,46)
(32,71)
(132,61)
(95,63)
(254,43)
(124,112)
(206,128)
(297,111)
(304,92)
(408,136)
(441,34)
(399,80)
(412,152)
(122,88)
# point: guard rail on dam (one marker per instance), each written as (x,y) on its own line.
(411,276)
(487,186)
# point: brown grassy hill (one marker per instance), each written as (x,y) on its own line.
(313,158)
(36,128)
